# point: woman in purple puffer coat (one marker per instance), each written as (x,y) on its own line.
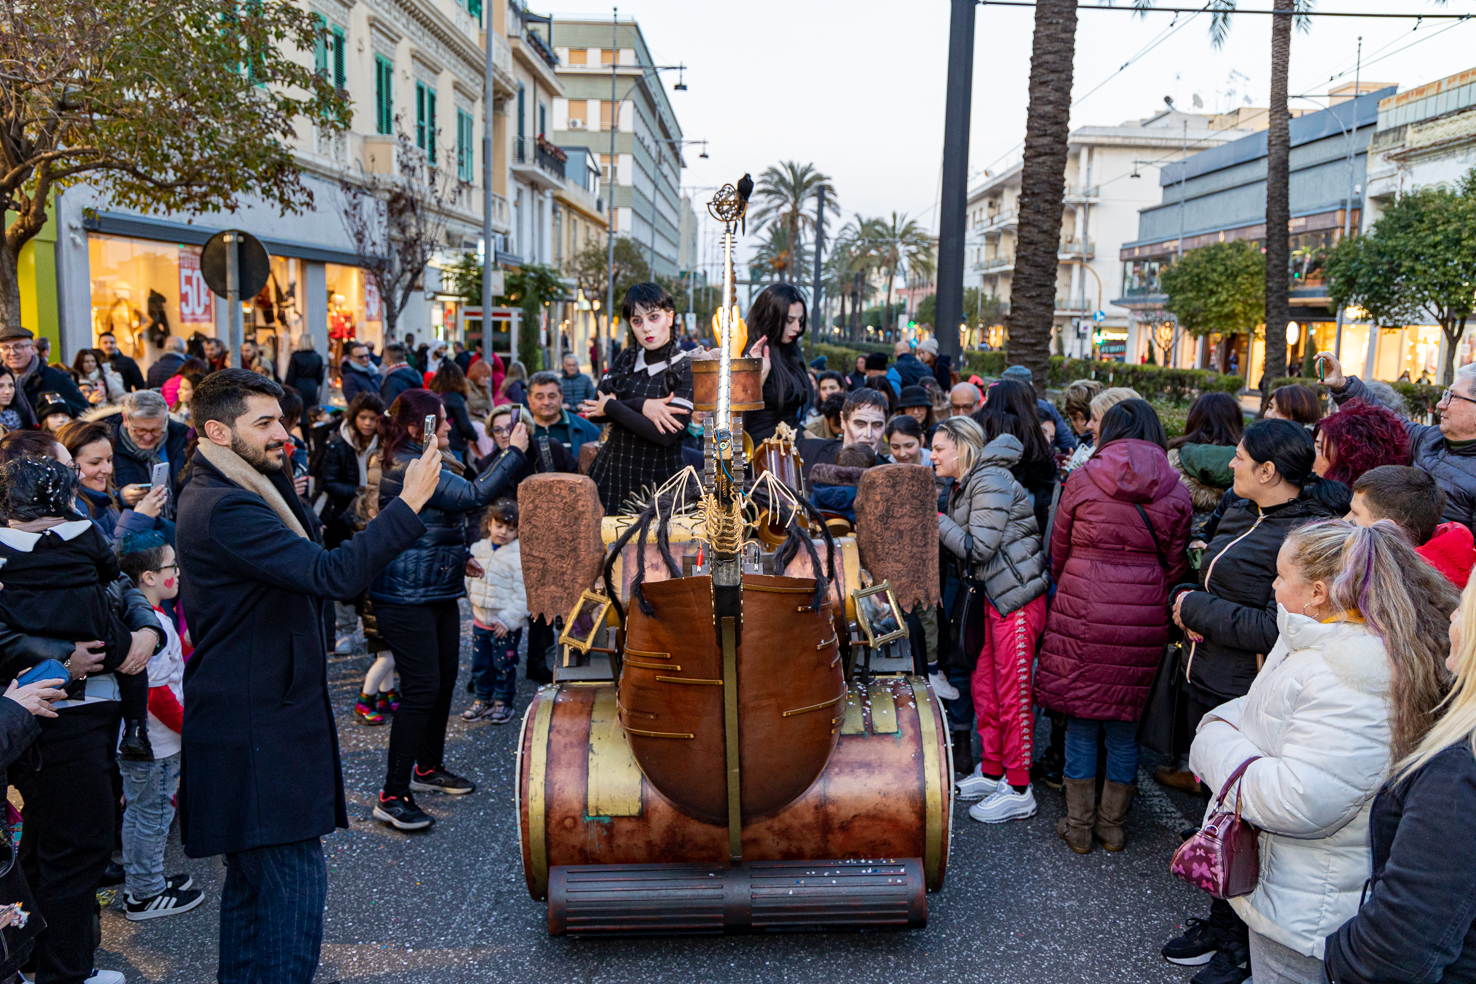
(1117,546)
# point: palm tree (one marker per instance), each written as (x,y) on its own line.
(896,243)
(785,194)
(851,254)
(1042,187)
(773,259)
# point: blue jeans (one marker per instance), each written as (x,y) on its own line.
(495,664)
(271,914)
(148,788)
(1122,749)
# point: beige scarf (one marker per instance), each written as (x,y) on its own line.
(233,467)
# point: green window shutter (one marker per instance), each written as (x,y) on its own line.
(431,130)
(340,46)
(384,111)
(474,7)
(420,115)
(463,145)
(320,46)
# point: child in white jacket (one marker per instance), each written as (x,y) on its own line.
(499,612)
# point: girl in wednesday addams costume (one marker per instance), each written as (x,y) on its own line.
(646,397)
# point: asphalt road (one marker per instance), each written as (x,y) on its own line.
(450,906)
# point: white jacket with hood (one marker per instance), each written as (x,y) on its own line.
(1318,714)
(498,596)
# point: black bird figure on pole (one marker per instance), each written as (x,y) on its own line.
(745,188)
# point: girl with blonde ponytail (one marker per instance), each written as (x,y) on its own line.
(1416,922)
(1355,674)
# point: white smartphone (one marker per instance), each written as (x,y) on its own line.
(160,474)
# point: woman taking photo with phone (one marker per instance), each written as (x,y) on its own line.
(415,602)
(646,397)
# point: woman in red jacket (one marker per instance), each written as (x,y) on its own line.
(1117,545)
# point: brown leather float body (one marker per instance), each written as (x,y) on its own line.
(790,688)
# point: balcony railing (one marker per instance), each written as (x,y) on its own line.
(994,263)
(1075,247)
(539,152)
(1079,193)
(1071,302)
(536,42)
(501,53)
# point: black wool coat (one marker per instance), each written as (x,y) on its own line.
(261,763)
(1235,608)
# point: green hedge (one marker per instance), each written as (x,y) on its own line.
(1153,382)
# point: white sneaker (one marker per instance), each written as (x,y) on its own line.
(1005,804)
(977,785)
(98,977)
(942,687)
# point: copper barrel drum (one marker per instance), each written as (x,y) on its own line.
(884,792)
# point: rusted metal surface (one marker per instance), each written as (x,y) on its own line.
(882,795)
(560,544)
(668,899)
(789,683)
(896,514)
(748,385)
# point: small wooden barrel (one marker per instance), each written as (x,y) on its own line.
(885,793)
(747,381)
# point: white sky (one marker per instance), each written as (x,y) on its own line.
(856,87)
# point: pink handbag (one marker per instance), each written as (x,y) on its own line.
(1222,858)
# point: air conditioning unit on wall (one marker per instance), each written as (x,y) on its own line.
(575,123)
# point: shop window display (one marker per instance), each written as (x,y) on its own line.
(355,310)
(144,291)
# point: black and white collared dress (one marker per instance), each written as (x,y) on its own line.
(635,454)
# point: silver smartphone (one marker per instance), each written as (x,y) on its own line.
(160,474)
(430,427)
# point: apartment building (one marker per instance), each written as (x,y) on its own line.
(1111,173)
(641,181)
(410,66)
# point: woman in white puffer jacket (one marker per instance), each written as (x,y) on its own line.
(1349,687)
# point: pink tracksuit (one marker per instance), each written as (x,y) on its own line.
(1001,689)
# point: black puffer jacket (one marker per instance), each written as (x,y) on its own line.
(1418,920)
(1454,469)
(434,568)
(1235,610)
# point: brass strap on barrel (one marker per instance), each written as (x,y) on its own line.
(537,797)
(922,699)
(730,733)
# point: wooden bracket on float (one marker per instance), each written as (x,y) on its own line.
(730,733)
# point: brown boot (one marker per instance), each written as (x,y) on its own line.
(1075,828)
(1116,798)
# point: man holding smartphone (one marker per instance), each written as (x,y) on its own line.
(262,780)
(144,439)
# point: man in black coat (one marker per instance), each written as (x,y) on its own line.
(122,364)
(398,374)
(262,780)
(167,364)
(18,349)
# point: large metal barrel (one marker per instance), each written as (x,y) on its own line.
(885,793)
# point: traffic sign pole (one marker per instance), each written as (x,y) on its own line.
(234,330)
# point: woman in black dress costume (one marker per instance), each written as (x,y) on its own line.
(646,397)
(777,319)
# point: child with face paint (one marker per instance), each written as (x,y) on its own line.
(149,787)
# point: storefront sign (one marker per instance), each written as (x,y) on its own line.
(196,302)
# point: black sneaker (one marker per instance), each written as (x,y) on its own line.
(169,902)
(135,745)
(401,812)
(438,780)
(113,874)
(1195,946)
(1230,965)
(501,713)
(179,882)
